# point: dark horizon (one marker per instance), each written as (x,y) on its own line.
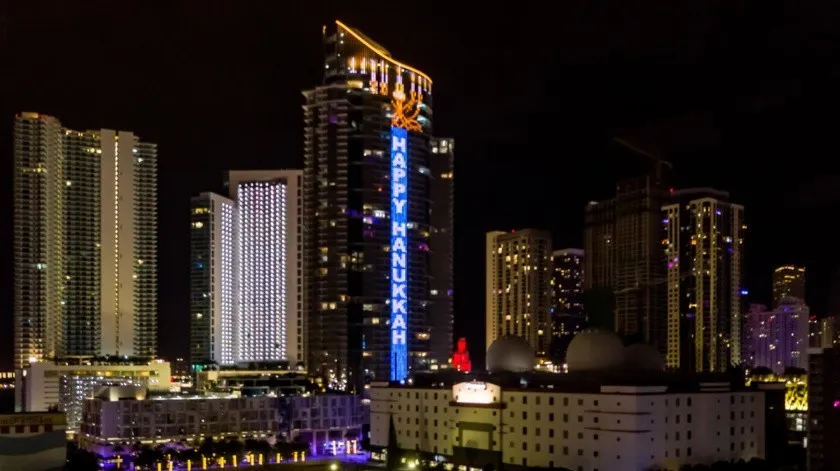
(738,96)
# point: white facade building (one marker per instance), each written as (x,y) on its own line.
(610,416)
(262,334)
(289,227)
(65,385)
(247,270)
(614,426)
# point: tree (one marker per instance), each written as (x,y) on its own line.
(208,446)
(232,446)
(80,460)
(287,448)
(190,454)
(148,456)
(257,446)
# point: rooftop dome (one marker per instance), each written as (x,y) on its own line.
(640,356)
(512,354)
(594,349)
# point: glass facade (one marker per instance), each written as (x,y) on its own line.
(347,168)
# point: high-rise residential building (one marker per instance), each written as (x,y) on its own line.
(704,233)
(776,339)
(823,408)
(788,281)
(214,300)
(128,256)
(38,237)
(822,333)
(518,287)
(262,317)
(85,241)
(286,229)
(567,281)
(247,270)
(370,195)
(623,246)
(441,313)
(566,313)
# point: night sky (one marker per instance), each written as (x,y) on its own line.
(739,95)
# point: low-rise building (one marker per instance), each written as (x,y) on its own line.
(33,441)
(128,414)
(253,379)
(616,409)
(330,422)
(65,384)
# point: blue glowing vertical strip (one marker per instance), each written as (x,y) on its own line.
(399,254)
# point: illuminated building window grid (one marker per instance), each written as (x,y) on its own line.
(117,242)
(262,282)
(227,310)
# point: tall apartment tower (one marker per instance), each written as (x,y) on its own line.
(85,242)
(623,246)
(128,256)
(518,287)
(704,232)
(370,190)
(788,281)
(247,270)
(214,300)
(441,314)
(38,237)
(287,229)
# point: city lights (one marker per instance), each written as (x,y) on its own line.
(399,254)
(262,272)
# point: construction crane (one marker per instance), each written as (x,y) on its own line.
(660,162)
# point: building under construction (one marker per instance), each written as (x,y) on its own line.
(623,243)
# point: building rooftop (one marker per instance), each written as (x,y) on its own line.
(588,382)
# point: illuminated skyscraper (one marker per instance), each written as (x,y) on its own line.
(370,195)
(623,246)
(38,237)
(213,282)
(290,234)
(704,233)
(262,318)
(85,242)
(246,270)
(788,281)
(518,291)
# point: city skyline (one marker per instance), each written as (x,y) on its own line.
(478,164)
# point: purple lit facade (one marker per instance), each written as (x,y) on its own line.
(777,339)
